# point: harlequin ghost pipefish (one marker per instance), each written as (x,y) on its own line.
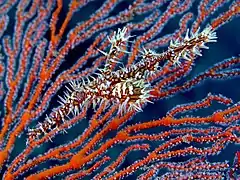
(128,86)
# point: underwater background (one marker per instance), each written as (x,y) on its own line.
(227,46)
